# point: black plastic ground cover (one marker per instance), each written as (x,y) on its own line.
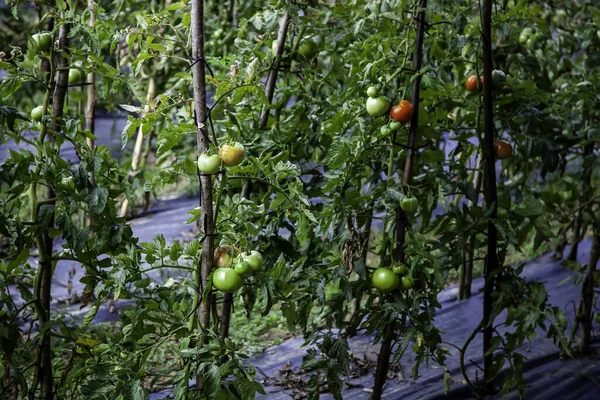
(547,376)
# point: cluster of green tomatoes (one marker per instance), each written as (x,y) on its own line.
(389,279)
(230,269)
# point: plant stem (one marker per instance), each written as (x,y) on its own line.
(586,304)
(206,221)
(466,270)
(272,80)
(491,195)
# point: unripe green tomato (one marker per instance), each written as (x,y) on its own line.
(409,204)
(36,113)
(43,41)
(395,125)
(255,260)
(407,282)
(76,76)
(209,164)
(227,280)
(385,280)
(377,106)
(385,130)
(400,269)
(309,48)
(372,91)
(242,268)
(525,35)
(498,76)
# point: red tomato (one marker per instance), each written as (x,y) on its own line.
(402,112)
(502,149)
(472,83)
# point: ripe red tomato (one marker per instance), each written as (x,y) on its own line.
(227,280)
(472,83)
(402,112)
(385,280)
(232,155)
(502,149)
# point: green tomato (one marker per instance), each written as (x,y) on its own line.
(255,260)
(385,130)
(372,91)
(76,76)
(43,41)
(400,269)
(209,164)
(409,204)
(226,280)
(36,113)
(385,280)
(243,268)
(395,125)
(498,77)
(525,35)
(407,282)
(309,48)
(377,106)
